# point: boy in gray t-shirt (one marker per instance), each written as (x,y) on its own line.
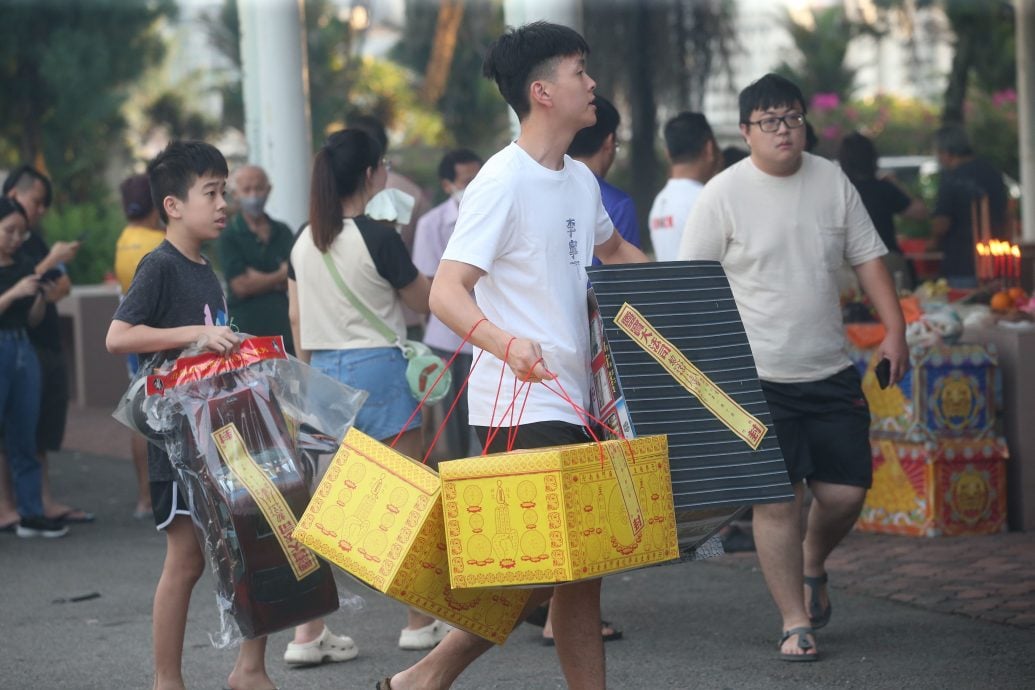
(175,301)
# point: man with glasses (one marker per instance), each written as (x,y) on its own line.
(782,222)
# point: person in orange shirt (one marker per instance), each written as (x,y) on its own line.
(143,234)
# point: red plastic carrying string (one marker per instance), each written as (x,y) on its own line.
(431,388)
(587,417)
(526,384)
(584,415)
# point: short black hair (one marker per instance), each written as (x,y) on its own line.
(178,166)
(953,140)
(686,136)
(771,91)
(136,197)
(25,175)
(588,140)
(527,53)
(372,126)
(731,155)
(447,166)
(858,157)
(9,206)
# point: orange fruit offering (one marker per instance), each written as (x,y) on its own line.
(1018,295)
(1001,301)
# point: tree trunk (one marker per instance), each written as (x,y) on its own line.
(644,114)
(956,89)
(450,13)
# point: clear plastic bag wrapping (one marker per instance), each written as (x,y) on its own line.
(244,434)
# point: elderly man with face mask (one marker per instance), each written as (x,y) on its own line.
(254,250)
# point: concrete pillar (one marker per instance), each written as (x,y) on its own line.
(1025,26)
(274,75)
(518,12)
(1025,39)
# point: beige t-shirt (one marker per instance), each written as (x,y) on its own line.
(781,241)
(372,260)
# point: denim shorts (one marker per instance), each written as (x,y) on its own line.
(381,371)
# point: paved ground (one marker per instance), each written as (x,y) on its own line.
(922,613)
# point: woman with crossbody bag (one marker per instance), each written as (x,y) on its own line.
(347,278)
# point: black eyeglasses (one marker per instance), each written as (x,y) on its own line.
(772,124)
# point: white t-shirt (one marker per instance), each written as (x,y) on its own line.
(781,241)
(374,263)
(532,230)
(668,216)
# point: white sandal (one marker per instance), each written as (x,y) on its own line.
(328,647)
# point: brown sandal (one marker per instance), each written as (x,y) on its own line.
(385,684)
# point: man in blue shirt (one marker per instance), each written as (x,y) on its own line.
(596,146)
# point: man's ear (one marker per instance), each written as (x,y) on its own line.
(446,184)
(172,207)
(744,133)
(537,93)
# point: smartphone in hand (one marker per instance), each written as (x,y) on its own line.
(51,275)
(883,372)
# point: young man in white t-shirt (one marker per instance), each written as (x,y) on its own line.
(695,157)
(782,222)
(529,224)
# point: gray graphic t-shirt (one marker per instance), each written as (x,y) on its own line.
(169,291)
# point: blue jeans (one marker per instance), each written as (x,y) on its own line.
(381,371)
(20,405)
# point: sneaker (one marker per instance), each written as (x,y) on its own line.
(424,638)
(327,648)
(39,526)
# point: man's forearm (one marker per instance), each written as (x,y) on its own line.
(877,284)
(252,283)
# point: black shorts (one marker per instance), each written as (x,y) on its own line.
(823,428)
(167,502)
(50,430)
(535,435)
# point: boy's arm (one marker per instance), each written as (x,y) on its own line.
(125,338)
(452,303)
(877,284)
(616,250)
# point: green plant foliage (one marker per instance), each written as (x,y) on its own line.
(101,222)
(65,69)
(472,110)
(822,46)
(991,121)
(340,82)
(898,126)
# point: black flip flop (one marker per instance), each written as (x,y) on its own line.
(9,527)
(818,617)
(804,644)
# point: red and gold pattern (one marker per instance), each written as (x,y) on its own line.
(377,515)
(950,486)
(554,515)
(209,364)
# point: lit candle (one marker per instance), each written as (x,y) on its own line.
(1016,252)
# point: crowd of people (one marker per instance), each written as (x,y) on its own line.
(501,262)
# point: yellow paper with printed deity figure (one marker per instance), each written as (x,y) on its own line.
(554,515)
(377,515)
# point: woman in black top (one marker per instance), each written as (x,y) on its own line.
(21,306)
(882,198)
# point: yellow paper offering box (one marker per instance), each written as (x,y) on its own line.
(377,515)
(555,515)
